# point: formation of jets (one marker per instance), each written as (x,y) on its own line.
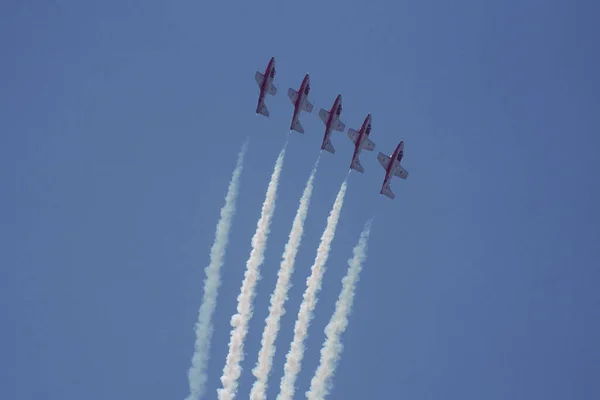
(332,122)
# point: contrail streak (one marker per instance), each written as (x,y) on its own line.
(313,286)
(204,328)
(331,351)
(239,321)
(280,294)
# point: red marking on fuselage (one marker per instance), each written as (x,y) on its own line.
(361,134)
(267,76)
(337,102)
(297,104)
(388,171)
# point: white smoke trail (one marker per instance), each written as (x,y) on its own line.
(197,373)
(313,286)
(280,294)
(239,321)
(320,385)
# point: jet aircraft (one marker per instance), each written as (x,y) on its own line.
(392,168)
(361,141)
(301,103)
(266,86)
(331,119)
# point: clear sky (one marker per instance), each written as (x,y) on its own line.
(120,123)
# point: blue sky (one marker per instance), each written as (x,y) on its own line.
(120,124)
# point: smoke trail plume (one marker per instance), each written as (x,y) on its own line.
(320,385)
(197,373)
(313,286)
(280,294)
(239,321)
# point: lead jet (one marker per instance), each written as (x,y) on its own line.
(266,86)
(301,103)
(361,141)
(392,168)
(331,119)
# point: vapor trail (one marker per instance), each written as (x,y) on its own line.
(313,286)
(280,294)
(320,385)
(204,328)
(239,321)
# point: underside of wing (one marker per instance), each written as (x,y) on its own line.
(401,172)
(324,115)
(353,135)
(259,78)
(338,125)
(383,160)
(272,89)
(367,144)
(293,95)
(306,106)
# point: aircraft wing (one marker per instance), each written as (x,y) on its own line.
(259,78)
(367,144)
(293,95)
(353,135)
(383,160)
(306,106)
(401,172)
(338,125)
(272,90)
(324,115)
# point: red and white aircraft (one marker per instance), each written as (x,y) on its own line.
(301,103)
(331,119)
(361,141)
(392,168)
(266,86)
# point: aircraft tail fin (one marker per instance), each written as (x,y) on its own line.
(327,146)
(296,126)
(386,191)
(356,165)
(262,109)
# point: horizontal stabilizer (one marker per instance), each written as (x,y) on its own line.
(293,95)
(259,78)
(401,172)
(386,191)
(324,115)
(338,125)
(383,160)
(356,165)
(327,146)
(353,135)
(296,126)
(272,90)
(367,144)
(262,109)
